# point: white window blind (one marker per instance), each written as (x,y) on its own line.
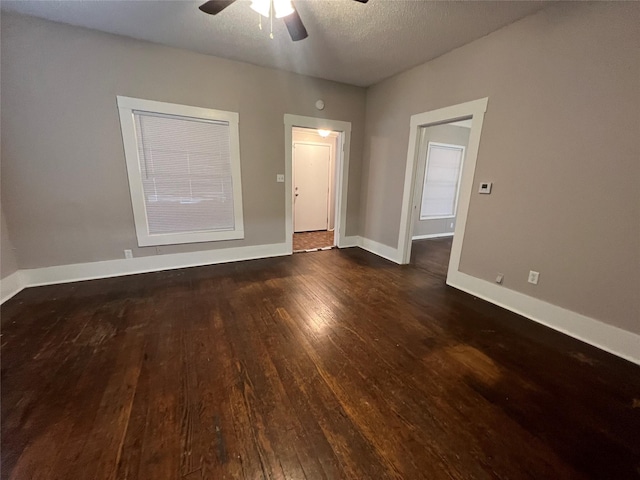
(184,172)
(441,181)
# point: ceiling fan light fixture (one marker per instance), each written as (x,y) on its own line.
(283,8)
(263,7)
(268,8)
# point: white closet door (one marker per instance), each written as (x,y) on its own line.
(311,186)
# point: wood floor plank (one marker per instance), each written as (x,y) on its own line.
(327,365)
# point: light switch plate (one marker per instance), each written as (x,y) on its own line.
(485,187)
(280,178)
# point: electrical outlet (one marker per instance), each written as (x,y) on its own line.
(128,254)
(280,178)
(499,278)
(533,277)
(485,187)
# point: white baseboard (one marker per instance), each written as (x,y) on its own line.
(432,235)
(352,241)
(606,337)
(612,339)
(380,249)
(617,341)
(11,285)
(115,268)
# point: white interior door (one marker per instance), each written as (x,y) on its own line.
(310,186)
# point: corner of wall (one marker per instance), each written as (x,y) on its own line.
(11,285)
(385,251)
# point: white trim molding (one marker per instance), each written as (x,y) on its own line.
(612,339)
(617,341)
(11,285)
(606,337)
(154,263)
(342,168)
(351,241)
(380,249)
(432,235)
(128,108)
(473,110)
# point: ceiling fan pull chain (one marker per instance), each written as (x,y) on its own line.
(271,19)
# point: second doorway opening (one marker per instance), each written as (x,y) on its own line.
(314,188)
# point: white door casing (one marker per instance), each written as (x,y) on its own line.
(473,110)
(311,170)
(342,173)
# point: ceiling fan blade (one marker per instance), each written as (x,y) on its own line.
(214,7)
(362,1)
(295,26)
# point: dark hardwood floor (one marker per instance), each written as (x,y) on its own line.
(328,365)
(432,255)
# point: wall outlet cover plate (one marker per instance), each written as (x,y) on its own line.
(485,187)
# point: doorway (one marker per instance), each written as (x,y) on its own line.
(441,156)
(336,216)
(474,111)
(314,191)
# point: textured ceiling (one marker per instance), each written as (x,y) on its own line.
(349,42)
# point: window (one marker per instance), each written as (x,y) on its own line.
(441,181)
(184,172)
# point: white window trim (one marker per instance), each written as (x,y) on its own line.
(126,107)
(426,170)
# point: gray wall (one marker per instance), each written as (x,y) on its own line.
(561,142)
(8,263)
(452,135)
(64,186)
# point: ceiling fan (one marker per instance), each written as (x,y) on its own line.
(282,8)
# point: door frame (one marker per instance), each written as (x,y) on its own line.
(473,110)
(332,175)
(341,169)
